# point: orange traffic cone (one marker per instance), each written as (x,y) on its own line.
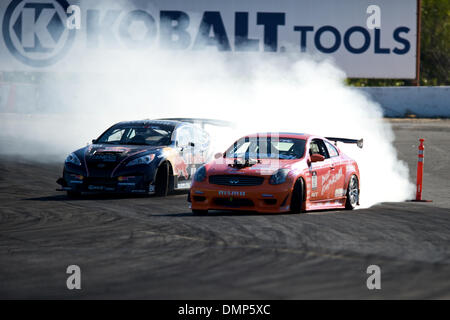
(419,183)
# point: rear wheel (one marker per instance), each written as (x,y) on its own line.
(352,193)
(162,180)
(297,197)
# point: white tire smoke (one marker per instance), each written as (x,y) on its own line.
(291,94)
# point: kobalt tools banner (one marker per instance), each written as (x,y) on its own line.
(366,38)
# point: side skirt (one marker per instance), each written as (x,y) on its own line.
(325,204)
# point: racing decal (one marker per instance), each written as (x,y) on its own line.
(339,192)
(184,185)
(86,152)
(314,180)
(111,149)
(123,160)
(179,164)
(314,194)
(329,180)
(234,171)
(231,193)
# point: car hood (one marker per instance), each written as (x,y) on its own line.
(256,167)
(107,152)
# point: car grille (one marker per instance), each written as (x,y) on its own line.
(100,181)
(235,180)
(233,202)
(100,169)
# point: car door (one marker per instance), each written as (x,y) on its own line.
(321,172)
(201,147)
(185,147)
(337,171)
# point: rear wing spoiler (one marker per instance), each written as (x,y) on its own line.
(359,142)
(202,122)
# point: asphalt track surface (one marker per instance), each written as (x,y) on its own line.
(153,248)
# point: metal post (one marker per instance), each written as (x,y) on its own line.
(419,19)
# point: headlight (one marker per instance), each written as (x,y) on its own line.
(72,158)
(279,177)
(200,174)
(141,160)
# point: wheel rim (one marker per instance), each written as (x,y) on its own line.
(353,191)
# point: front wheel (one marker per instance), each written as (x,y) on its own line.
(297,197)
(162,180)
(352,193)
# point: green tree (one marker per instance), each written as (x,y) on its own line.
(435,43)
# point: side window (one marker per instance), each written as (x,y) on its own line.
(318,146)
(331,150)
(116,135)
(313,147)
(243,148)
(131,133)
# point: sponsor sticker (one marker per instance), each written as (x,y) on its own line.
(339,192)
(314,180)
(184,185)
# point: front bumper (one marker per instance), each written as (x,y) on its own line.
(123,184)
(264,199)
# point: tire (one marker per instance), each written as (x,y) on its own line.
(297,197)
(197,212)
(162,180)
(352,193)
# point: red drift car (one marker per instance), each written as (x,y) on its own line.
(278,172)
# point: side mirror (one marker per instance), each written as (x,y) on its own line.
(94,141)
(218,155)
(315,157)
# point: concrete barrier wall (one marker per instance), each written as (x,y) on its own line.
(395,101)
(419,101)
(19,98)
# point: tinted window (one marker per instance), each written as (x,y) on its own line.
(318,146)
(332,150)
(142,134)
(267,148)
(115,135)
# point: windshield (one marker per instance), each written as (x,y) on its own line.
(267,148)
(143,134)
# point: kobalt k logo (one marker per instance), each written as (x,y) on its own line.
(35,31)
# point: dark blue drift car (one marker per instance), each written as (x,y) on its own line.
(148,156)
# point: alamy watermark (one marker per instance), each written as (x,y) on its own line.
(74,280)
(374,280)
(374,19)
(73,17)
